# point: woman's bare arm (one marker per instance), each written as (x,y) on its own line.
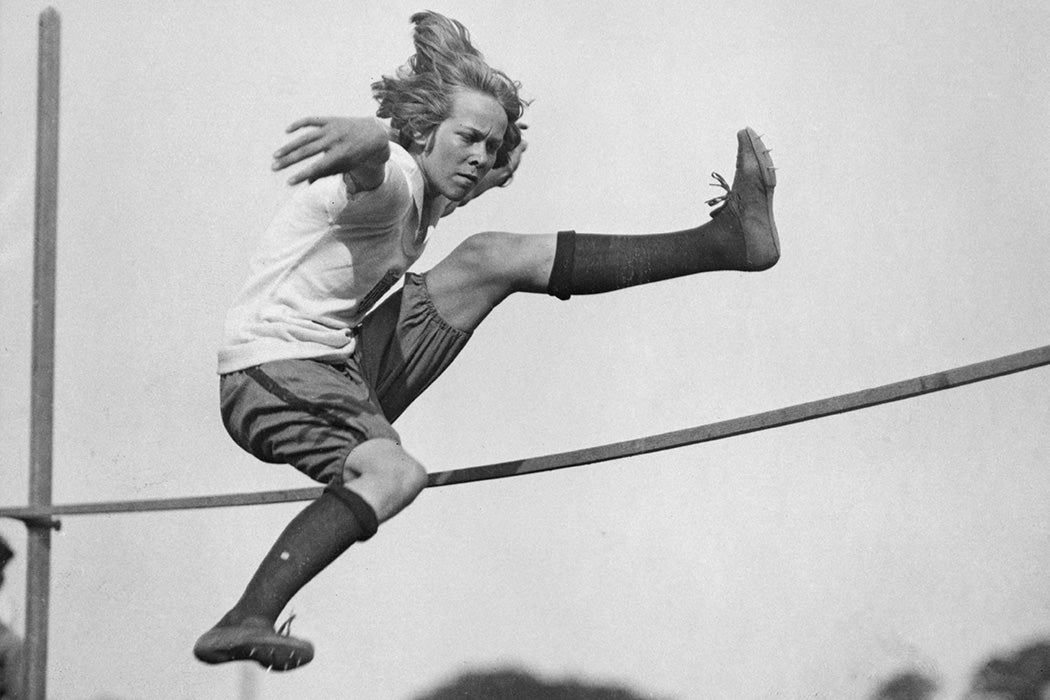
(356,147)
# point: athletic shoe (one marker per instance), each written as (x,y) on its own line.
(278,650)
(748,205)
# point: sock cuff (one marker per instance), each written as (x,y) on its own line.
(560,284)
(358,507)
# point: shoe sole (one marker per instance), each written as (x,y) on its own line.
(768,173)
(765,161)
(281,654)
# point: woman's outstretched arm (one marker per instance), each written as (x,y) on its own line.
(356,147)
(347,144)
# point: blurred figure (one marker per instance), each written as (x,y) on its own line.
(910,685)
(1024,675)
(10,643)
(513,684)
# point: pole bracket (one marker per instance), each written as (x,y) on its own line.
(36,521)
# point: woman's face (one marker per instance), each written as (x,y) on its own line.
(462,149)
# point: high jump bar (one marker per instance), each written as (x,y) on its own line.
(789,415)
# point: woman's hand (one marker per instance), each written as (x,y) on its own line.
(346,145)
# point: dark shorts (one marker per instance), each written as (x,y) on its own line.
(311,413)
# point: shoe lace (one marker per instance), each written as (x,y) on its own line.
(286,626)
(722,197)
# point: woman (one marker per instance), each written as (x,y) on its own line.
(313,376)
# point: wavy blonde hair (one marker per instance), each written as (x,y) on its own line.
(419,96)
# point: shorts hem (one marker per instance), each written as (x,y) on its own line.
(432,312)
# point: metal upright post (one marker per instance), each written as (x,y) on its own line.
(38,576)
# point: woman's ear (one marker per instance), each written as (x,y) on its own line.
(422,143)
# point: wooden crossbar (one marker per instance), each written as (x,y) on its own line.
(798,413)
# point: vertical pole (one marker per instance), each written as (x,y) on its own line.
(38,575)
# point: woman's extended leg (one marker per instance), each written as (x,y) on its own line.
(488,267)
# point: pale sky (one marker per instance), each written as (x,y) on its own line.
(811,561)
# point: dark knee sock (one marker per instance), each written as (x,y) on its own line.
(312,541)
(592,263)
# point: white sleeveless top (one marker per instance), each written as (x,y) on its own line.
(325,260)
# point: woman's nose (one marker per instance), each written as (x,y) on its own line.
(479,156)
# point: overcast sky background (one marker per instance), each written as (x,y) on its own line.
(810,561)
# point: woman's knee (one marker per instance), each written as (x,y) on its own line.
(487,255)
(385,475)
(486,268)
(512,261)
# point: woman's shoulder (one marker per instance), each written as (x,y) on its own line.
(403,161)
(388,202)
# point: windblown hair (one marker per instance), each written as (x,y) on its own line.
(419,96)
